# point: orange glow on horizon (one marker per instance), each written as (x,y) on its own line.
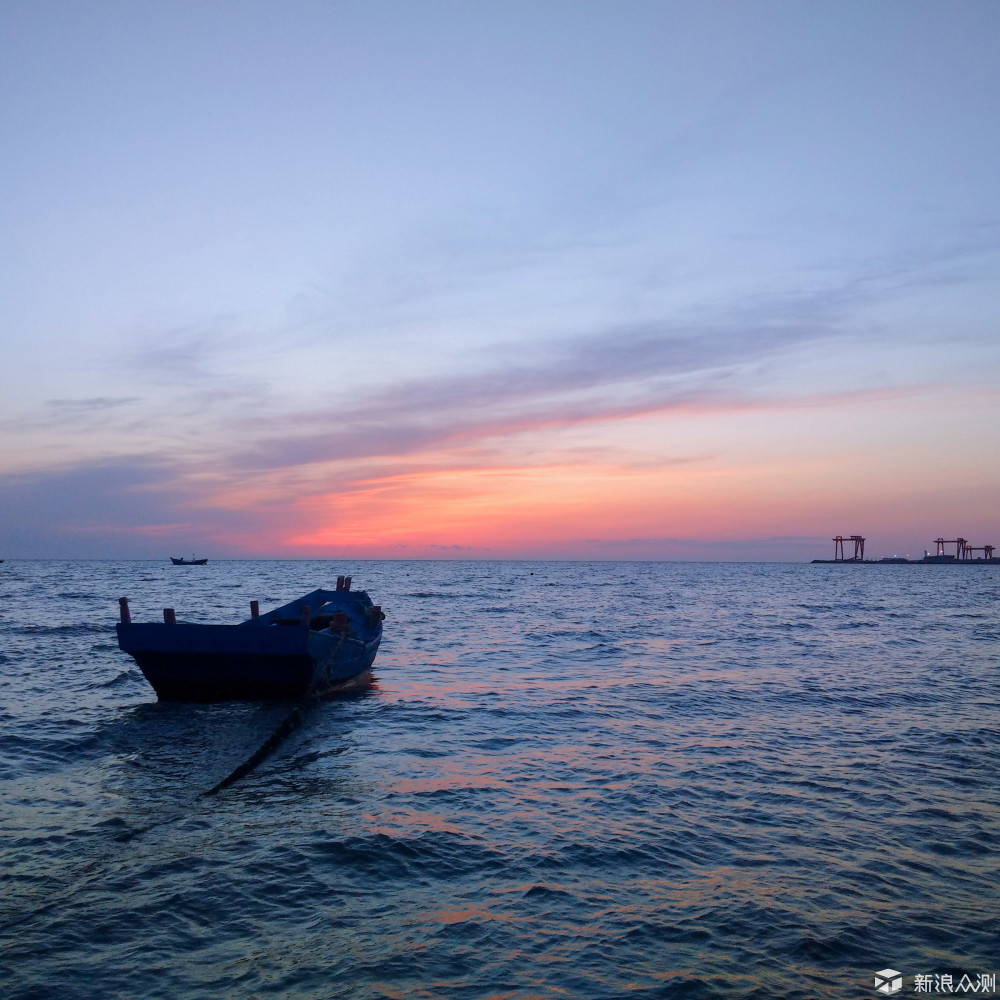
(693,482)
(514,508)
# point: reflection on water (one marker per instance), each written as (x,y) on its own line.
(584,780)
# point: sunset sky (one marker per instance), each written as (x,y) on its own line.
(498,278)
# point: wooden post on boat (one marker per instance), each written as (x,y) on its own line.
(347,583)
(255,609)
(125,613)
(340,583)
(169,617)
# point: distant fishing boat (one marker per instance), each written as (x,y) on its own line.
(325,641)
(188,562)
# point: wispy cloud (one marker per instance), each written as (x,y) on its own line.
(46,510)
(94,404)
(626,370)
(613,375)
(84,412)
(202,483)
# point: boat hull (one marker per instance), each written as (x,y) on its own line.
(266,658)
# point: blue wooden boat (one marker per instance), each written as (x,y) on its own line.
(321,643)
(188,562)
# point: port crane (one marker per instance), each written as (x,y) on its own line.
(961,544)
(859,548)
(987,551)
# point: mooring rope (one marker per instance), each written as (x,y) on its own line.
(288,725)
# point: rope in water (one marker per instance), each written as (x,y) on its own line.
(288,725)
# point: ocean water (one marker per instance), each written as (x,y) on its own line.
(579,780)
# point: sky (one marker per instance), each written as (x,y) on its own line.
(569,279)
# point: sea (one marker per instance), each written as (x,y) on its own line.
(569,780)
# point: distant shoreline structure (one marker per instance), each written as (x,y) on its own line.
(898,561)
(964,554)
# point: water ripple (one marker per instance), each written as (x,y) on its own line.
(586,780)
